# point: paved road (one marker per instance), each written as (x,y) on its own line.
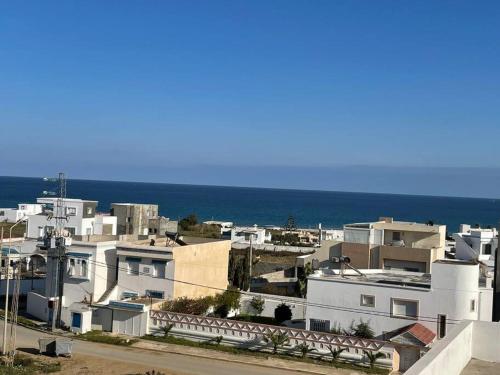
(27,338)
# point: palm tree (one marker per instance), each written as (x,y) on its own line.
(304,349)
(335,353)
(373,356)
(166,329)
(277,339)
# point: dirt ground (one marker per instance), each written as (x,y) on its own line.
(87,365)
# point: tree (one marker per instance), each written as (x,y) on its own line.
(282,312)
(362,329)
(188,222)
(304,349)
(166,329)
(373,356)
(277,339)
(302,279)
(257,304)
(335,352)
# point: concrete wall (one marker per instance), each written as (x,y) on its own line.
(425,256)
(359,254)
(448,356)
(469,339)
(37,306)
(486,341)
(202,264)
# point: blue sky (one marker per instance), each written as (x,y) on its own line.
(220,91)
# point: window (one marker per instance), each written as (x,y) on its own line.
(71,268)
(84,269)
(70,230)
(367,300)
(487,249)
(319,325)
(472,305)
(155,294)
(396,236)
(402,308)
(70,211)
(133,265)
(159,268)
(89,210)
(441,326)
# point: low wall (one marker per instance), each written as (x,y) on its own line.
(486,341)
(276,248)
(469,339)
(37,306)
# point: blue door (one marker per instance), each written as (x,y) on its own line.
(77,320)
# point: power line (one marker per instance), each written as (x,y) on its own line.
(305,303)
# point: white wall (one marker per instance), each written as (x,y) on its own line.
(469,339)
(448,356)
(453,288)
(142,282)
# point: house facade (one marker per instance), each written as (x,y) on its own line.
(476,243)
(13,215)
(389,244)
(390,300)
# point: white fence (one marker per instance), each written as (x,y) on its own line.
(253,333)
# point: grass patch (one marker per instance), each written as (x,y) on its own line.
(99,336)
(20,319)
(241,351)
(24,365)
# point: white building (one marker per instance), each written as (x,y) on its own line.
(476,243)
(13,215)
(257,235)
(390,300)
(81,219)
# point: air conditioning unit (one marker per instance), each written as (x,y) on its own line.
(146,270)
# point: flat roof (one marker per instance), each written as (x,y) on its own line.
(65,199)
(377,276)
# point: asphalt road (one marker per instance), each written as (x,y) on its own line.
(185,364)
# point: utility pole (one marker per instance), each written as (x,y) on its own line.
(7,277)
(250,263)
(57,250)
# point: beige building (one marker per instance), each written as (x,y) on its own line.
(398,245)
(169,271)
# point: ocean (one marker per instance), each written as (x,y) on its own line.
(248,206)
